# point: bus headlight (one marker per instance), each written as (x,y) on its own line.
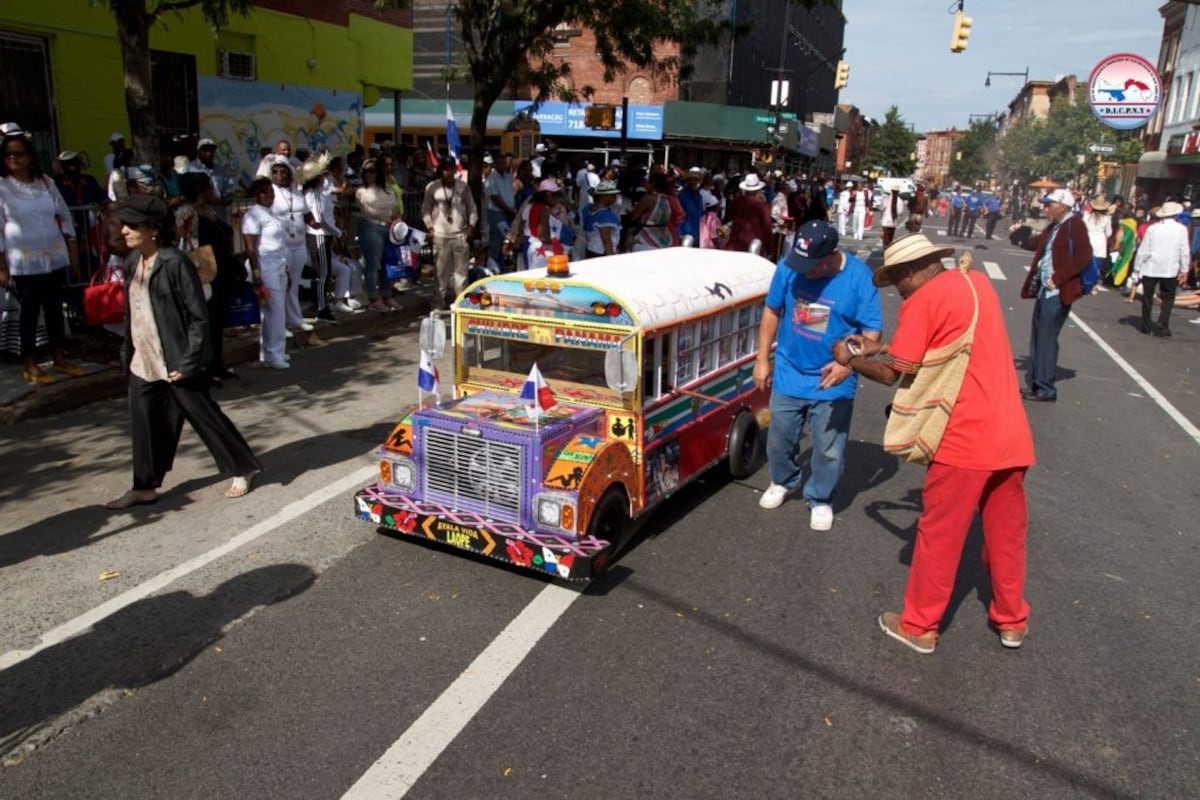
(549,511)
(555,511)
(398,472)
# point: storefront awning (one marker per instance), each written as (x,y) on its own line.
(712,122)
(1153,165)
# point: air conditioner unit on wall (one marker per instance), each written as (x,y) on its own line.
(236,64)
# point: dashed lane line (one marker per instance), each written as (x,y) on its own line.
(390,777)
(86,620)
(1157,396)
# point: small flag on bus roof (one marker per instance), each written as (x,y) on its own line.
(536,391)
(427,374)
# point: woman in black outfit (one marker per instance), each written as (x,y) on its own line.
(164,354)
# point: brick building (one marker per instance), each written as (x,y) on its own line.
(939,153)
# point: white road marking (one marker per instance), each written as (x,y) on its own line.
(412,754)
(141,591)
(993,271)
(1157,396)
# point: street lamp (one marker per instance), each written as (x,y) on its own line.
(988,80)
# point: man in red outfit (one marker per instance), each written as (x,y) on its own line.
(981,460)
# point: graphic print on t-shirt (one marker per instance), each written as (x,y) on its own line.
(810,317)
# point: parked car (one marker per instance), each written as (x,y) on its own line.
(877,198)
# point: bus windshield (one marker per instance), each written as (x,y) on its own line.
(483,354)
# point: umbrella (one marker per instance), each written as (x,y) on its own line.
(1045,184)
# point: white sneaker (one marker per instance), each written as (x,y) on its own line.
(277,364)
(304,326)
(821,518)
(1195,321)
(355,304)
(287,334)
(342,307)
(773,497)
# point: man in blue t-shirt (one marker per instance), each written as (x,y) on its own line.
(992,207)
(956,213)
(818,296)
(974,204)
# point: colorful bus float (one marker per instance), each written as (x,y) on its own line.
(649,357)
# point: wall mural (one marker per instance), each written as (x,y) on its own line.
(244,116)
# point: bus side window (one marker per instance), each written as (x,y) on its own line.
(652,369)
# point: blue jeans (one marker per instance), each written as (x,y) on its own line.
(1049,314)
(829,422)
(371,238)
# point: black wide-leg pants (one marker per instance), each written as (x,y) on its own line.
(157,410)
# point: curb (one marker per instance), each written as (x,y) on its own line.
(68,395)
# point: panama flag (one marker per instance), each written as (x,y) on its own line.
(427,376)
(452,140)
(536,391)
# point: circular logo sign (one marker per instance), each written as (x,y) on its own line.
(1124,91)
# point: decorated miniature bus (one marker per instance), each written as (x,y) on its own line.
(641,368)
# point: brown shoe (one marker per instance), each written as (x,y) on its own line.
(1013,638)
(889,622)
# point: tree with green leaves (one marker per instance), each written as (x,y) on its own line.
(893,146)
(974,153)
(1050,148)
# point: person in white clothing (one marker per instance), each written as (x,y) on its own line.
(318,199)
(862,201)
(845,200)
(1098,222)
(289,208)
(266,247)
(1162,264)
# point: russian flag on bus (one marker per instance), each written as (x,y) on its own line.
(452,140)
(536,392)
(427,374)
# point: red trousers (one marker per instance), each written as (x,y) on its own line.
(950,498)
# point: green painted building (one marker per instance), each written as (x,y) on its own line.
(298,69)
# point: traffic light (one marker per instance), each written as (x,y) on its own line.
(600,117)
(962,32)
(843,75)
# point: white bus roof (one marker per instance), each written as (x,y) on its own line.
(653,287)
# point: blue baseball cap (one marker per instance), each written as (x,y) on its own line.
(813,243)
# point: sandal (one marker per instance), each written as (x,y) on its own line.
(132,498)
(241,485)
(37,377)
(68,369)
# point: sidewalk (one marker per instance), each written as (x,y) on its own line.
(20,400)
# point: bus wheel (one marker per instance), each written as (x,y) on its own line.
(610,518)
(745,446)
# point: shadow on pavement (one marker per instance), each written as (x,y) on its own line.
(84,525)
(135,647)
(977,735)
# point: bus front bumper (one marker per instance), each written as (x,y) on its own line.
(544,553)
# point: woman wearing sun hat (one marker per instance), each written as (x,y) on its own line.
(601,226)
(750,218)
(980,462)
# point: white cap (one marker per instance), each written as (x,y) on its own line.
(539,148)
(1063,196)
(695,171)
(205,143)
(116,137)
(488,159)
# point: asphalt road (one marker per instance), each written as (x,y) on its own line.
(730,652)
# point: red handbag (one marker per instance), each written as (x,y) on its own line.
(104,300)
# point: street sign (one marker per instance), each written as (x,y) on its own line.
(1105,149)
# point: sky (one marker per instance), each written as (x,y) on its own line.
(899,51)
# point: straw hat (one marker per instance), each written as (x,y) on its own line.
(1100,204)
(1169,209)
(313,167)
(906,252)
